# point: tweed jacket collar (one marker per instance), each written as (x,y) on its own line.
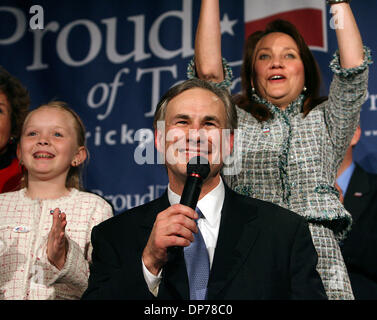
(294,108)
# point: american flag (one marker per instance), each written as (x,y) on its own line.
(309,16)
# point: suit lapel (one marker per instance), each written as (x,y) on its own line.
(237,234)
(174,276)
(358,193)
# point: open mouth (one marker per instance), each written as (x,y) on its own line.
(43,155)
(194,151)
(277,77)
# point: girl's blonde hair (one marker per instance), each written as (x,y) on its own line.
(74,176)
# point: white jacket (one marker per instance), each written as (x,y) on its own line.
(25,272)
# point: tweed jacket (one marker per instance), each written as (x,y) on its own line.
(25,272)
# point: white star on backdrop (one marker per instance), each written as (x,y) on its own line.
(227,25)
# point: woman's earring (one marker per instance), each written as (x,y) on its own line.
(12,140)
(253,90)
(304,89)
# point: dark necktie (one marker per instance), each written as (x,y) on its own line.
(197,264)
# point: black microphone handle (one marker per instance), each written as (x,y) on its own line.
(190,196)
(191,191)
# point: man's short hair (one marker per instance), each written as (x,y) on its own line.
(222,94)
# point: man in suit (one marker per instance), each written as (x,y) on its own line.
(255,249)
(359,191)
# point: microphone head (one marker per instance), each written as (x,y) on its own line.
(198,165)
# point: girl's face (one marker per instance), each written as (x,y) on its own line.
(48,145)
(5,122)
(280,74)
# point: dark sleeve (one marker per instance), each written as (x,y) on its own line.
(305,280)
(364,256)
(112,277)
(360,249)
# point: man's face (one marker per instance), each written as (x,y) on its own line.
(194,125)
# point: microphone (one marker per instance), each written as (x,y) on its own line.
(197,170)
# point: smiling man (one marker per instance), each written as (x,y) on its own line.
(251,249)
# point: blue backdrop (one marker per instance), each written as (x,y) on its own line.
(111,61)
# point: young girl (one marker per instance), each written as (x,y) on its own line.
(45,227)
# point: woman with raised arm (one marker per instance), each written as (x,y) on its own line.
(291,140)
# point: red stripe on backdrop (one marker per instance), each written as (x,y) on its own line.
(307,21)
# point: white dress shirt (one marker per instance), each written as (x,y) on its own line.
(210,205)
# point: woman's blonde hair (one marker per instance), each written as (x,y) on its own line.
(74,176)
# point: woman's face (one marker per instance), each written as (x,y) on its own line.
(5,122)
(279,70)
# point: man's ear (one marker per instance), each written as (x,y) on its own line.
(159,141)
(228,143)
(231,141)
(356,137)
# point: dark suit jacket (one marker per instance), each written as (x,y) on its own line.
(360,248)
(263,252)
